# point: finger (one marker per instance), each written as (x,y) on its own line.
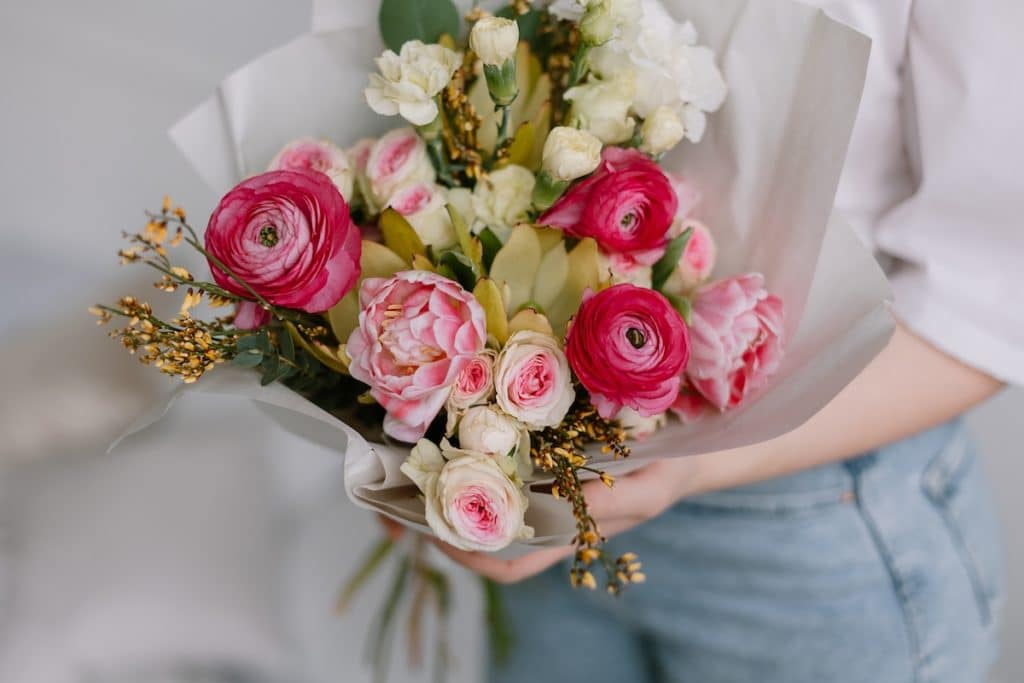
(506,571)
(393,529)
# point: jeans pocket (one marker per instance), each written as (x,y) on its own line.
(955,484)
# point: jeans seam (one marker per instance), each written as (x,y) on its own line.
(910,617)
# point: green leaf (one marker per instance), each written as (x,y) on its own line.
(552,277)
(517,264)
(426,20)
(461,267)
(471,246)
(366,570)
(249,358)
(400,237)
(489,297)
(491,245)
(584,274)
(664,268)
(683,305)
(286,344)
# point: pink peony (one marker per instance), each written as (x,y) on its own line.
(737,339)
(417,332)
(627,206)
(288,236)
(628,347)
(249,315)
(322,156)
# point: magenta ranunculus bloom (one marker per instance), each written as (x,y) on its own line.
(627,206)
(288,235)
(417,332)
(628,346)
(736,335)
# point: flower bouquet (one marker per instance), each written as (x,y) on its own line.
(516,251)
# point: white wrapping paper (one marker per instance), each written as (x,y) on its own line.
(768,170)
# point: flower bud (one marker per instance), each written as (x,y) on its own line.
(570,154)
(494,40)
(662,131)
(602,107)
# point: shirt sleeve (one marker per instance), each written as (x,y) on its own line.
(958,241)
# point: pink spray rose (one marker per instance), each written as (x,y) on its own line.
(736,335)
(627,205)
(532,380)
(697,261)
(397,159)
(249,315)
(417,332)
(325,157)
(288,235)
(475,384)
(687,195)
(628,347)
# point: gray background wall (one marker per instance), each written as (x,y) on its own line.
(87,91)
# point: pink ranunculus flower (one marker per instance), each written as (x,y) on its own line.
(323,156)
(628,346)
(289,237)
(473,501)
(736,335)
(397,159)
(697,261)
(532,380)
(249,315)
(627,205)
(417,332)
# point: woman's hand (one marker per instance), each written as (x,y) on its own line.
(636,498)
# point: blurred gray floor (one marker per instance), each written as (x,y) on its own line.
(87,91)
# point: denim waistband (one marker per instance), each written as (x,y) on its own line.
(835,482)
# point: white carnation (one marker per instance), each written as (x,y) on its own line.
(602,107)
(408,82)
(503,200)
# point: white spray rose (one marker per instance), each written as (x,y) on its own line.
(487,430)
(668,67)
(494,40)
(662,131)
(639,427)
(424,206)
(408,82)
(532,380)
(471,503)
(570,153)
(503,200)
(324,156)
(602,107)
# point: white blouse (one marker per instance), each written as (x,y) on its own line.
(932,182)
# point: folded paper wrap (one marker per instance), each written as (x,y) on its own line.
(767,169)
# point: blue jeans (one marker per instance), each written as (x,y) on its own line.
(884,569)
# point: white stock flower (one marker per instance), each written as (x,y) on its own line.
(408,82)
(600,20)
(503,200)
(639,427)
(570,153)
(471,502)
(423,205)
(494,40)
(662,131)
(602,108)
(668,67)
(532,380)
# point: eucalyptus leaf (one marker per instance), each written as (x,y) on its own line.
(664,268)
(249,358)
(286,344)
(426,20)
